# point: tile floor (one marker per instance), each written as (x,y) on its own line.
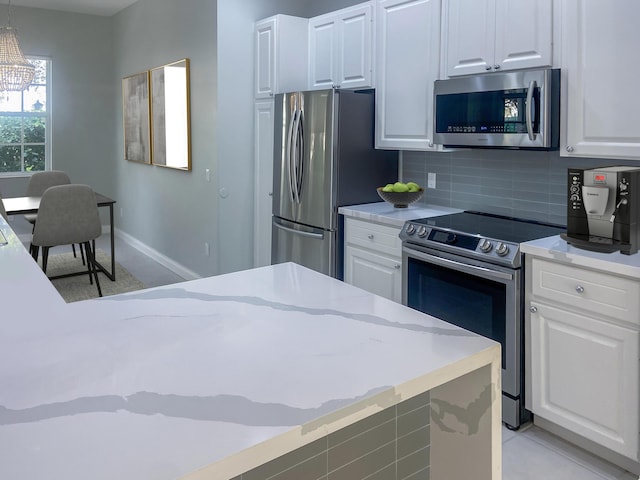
(534,454)
(528,454)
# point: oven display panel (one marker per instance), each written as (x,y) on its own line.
(461,241)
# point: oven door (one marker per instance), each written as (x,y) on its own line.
(474,295)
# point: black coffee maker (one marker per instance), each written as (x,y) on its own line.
(602,209)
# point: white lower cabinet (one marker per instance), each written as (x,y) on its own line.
(583,355)
(373,258)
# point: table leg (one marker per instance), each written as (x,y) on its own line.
(110,274)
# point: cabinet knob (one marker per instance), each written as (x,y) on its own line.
(397,266)
(569,148)
(430,144)
(579,289)
(496,67)
(533,309)
(487,68)
(370,236)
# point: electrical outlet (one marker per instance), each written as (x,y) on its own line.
(206,249)
(431,180)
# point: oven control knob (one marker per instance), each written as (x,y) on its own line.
(502,249)
(486,245)
(411,229)
(422,232)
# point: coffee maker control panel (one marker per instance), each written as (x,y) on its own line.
(575,190)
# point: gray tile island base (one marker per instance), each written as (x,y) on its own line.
(220,377)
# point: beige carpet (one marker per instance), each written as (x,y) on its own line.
(73,289)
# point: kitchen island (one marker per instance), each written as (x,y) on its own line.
(277,372)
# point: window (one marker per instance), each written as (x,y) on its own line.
(25,124)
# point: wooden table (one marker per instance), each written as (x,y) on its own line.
(23,205)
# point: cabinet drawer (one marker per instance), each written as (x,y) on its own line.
(380,238)
(587,290)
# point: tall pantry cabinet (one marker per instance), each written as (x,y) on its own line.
(277,40)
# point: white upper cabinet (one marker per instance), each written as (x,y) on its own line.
(407,64)
(600,107)
(340,48)
(281,55)
(491,35)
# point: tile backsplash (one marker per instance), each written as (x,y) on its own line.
(519,183)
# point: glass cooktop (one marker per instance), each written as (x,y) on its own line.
(508,229)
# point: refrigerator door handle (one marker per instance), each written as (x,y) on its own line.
(318,236)
(297,156)
(288,152)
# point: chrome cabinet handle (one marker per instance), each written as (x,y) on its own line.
(497,67)
(579,289)
(569,148)
(487,68)
(533,309)
(370,236)
(397,266)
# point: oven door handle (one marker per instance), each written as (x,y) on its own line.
(461,267)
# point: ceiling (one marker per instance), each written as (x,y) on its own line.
(91,7)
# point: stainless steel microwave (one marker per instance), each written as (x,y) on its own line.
(519,109)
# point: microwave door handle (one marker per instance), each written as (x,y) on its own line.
(529,112)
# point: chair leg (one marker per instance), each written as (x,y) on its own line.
(45,258)
(73,247)
(92,265)
(34,250)
(82,254)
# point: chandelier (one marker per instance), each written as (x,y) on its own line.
(16,73)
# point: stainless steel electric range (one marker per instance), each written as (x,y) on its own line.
(466,268)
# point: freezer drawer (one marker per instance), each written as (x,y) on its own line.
(311,247)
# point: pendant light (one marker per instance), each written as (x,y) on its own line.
(16,73)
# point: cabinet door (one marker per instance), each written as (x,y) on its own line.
(585,376)
(524,34)
(355,47)
(600,114)
(265,47)
(471,31)
(323,32)
(407,64)
(375,273)
(263,192)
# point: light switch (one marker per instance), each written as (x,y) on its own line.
(431,180)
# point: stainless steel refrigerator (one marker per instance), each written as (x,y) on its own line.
(323,159)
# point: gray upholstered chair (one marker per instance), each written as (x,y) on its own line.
(38,183)
(68,214)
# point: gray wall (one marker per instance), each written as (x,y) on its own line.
(82,107)
(173,212)
(519,183)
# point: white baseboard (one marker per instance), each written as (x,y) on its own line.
(163,260)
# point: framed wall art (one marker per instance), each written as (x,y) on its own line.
(136,118)
(170,112)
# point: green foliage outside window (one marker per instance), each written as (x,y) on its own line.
(23,125)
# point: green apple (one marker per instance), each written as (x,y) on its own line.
(388,187)
(413,187)
(400,187)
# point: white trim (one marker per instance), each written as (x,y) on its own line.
(163,260)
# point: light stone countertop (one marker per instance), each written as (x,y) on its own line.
(557,248)
(225,372)
(386,214)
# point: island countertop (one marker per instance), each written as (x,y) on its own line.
(207,378)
